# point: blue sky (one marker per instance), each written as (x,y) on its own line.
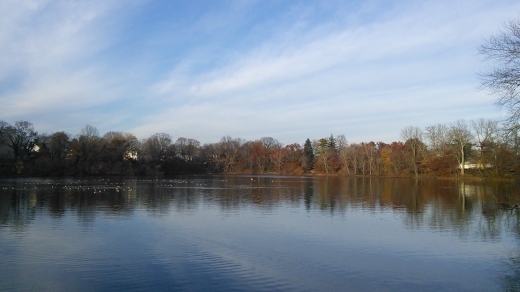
(205,69)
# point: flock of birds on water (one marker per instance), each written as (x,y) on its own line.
(100,185)
(103,185)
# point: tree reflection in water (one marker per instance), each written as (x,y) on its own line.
(467,209)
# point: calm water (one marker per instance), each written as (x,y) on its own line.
(258,233)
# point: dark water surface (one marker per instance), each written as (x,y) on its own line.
(258,233)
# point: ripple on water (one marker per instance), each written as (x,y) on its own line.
(165,235)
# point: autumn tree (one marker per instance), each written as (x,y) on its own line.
(293,158)
(398,156)
(326,154)
(437,138)
(385,158)
(271,145)
(229,150)
(256,156)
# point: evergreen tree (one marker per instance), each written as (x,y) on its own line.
(332,143)
(307,149)
(309,153)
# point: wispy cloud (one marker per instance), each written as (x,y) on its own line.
(418,60)
(295,71)
(49,54)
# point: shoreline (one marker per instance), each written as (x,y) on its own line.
(458,178)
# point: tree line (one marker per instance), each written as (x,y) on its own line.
(479,148)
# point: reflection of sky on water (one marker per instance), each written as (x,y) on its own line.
(160,237)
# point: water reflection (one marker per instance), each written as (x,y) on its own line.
(474,212)
(432,203)
(437,204)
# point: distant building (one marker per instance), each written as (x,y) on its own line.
(478,165)
(130,155)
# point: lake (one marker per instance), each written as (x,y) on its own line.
(258,233)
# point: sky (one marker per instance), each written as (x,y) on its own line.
(249,69)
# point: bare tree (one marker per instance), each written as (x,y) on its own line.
(109,136)
(3,137)
(437,137)
(187,147)
(3,127)
(413,141)
(181,145)
(89,132)
(343,151)
(59,145)
(270,142)
(503,79)
(158,147)
(485,130)
(461,137)
(228,148)
(272,146)
(22,138)
(121,145)
(277,157)
(89,148)
(357,158)
(369,150)
(486,136)
(192,148)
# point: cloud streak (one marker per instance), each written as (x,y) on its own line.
(294,72)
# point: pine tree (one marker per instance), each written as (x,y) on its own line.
(307,149)
(309,153)
(332,143)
